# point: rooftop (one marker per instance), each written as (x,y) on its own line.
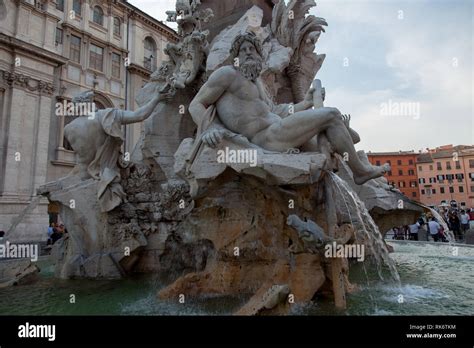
(398,153)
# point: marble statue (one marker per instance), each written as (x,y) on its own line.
(243,107)
(97,141)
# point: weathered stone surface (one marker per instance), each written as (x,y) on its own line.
(93,248)
(244,221)
(274,168)
(17,272)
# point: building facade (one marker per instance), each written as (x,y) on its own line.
(446,176)
(50,51)
(403,174)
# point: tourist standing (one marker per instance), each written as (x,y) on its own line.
(455,224)
(471,217)
(414,231)
(434,228)
(51,228)
(464,222)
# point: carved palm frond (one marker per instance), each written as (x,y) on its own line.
(290,24)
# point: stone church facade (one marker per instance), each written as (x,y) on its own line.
(50,51)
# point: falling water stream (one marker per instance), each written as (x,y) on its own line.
(369,228)
(449,234)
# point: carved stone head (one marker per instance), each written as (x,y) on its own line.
(84,97)
(163,72)
(241,39)
(247,48)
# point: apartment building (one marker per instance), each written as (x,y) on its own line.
(446,176)
(403,174)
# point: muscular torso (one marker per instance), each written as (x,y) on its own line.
(242,110)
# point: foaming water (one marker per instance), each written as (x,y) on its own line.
(435,282)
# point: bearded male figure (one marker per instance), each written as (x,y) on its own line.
(244,108)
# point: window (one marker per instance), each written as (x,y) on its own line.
(401,184)
(428,191)
(39,4)
(377,163)
(438,166)
(458,165)
(471,175)
(399,162)
(422,192)
(411,172)
(413,194)
(96,58)
(76,7)
(117,26)
(448,165)
(449,176)
(60,5)
(400,172)
(460,177)
(410,162)
(432,180)
(440,178)
(451,189)
(413,184)
(116,65)
(471,163)
(98,15)
(150,49)
(420,168)
(441,189)
(421,180)
(75,49)
(472,188)
(431,167)
(433,191)
(461,189)
(59,36)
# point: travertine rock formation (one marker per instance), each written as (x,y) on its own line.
(17,272)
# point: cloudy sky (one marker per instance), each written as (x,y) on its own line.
(402,69)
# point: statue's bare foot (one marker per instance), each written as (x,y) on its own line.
(372,173)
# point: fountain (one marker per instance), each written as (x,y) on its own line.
(219,227)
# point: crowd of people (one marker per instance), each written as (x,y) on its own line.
(458,221)
(55,232)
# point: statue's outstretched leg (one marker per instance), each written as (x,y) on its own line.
(301,127)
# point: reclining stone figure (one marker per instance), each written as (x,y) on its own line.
(243,107)
(97,141)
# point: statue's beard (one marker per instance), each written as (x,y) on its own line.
(251,69)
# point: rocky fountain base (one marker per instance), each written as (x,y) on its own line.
(252,250)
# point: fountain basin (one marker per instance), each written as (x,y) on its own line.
(434,282)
